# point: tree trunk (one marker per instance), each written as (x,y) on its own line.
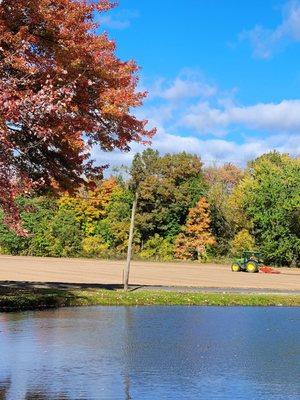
(129,250)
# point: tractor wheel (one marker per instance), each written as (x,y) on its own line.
(235,267)
(252,267)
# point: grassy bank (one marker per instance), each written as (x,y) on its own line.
(17,300)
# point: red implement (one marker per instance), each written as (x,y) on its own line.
(268,270)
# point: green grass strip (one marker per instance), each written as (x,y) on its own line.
(47,298)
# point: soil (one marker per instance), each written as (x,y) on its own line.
(96,273)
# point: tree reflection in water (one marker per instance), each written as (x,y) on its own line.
(39,395)
(43,396)
(31,395)
(4,386)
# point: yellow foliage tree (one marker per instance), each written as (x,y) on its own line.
(90,206)
(242,241)
(196,236)
(94,246)
(235,205)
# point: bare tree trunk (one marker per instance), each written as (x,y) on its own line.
(129,250)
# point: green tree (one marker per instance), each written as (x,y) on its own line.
(36,213)
(158,248)
(65,236)
(270,197)
(171,184)
(114,228)
(10,242)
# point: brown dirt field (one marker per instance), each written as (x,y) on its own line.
(83,271)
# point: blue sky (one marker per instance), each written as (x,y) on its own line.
(223,76)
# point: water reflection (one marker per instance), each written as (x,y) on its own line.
(39,395)
(127,333)
(4,386)
(147,352)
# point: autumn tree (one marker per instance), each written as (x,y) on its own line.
(196,236)
(221,182)
(242,241)
(171,185)
(227,175)
(90,206)
(62,92)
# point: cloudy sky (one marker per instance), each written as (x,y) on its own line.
(223,76)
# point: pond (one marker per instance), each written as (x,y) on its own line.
(151,353)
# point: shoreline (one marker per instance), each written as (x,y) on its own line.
(12,300)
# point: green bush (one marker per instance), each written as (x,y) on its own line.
(65,235)
(11,243)
(158,248)
(242,241)
(94,246)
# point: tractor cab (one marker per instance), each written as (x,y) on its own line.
(250,261)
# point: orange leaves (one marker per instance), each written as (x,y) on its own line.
(62,89)
(228,175)
(92,205)
(196,235)
(104,5)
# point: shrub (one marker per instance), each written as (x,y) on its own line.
(158,248)
(242,241)
(94,246)
(65,235)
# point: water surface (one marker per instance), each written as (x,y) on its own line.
(151,353)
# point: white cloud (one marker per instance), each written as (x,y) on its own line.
(211,151)
(184,89)
(222,150)
(157,113)
(117,19)
(271,117)
(188,84)
(266,42)
(203,121)
(189,101)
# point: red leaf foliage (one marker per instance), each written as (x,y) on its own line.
(62,91)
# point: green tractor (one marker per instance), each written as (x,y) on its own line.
(250,262)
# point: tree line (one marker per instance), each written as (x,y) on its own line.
(185,211)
